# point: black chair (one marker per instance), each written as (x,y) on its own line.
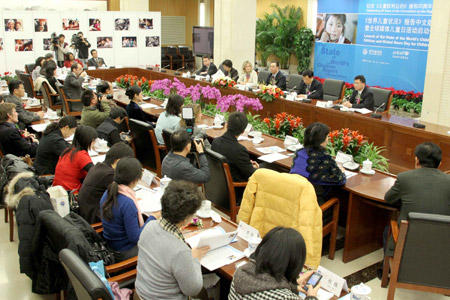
(28,85)
(422,255)
(294,81)
(29,68)
(71,107)
(164,59)
(18,72)
(220,189)
(51,101)
(146,147)
(262,76)
(333,89)
(382,96)
(187,57)
(166,134)
(175,59)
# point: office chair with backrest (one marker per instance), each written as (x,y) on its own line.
(187,57)
(29,68)
(50,100)
(421,260)
(166,134)
(381,96)
(146,147)
(71,107)
(29,86)
(333,89)
(294,82)
(220,189)
(165,60)
(175,58)
(262,76)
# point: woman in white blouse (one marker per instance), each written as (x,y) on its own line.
(248,75)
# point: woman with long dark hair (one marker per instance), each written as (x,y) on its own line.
(135,95)
(37,67)
(75,162)
(119,210)
(273,271)
(53,143)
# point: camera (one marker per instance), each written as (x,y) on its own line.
(76,40)
(189,118)
(54,39)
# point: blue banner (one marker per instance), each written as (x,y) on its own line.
(386,41)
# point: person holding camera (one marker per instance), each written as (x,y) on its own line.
(177,166)
(91,115)
(109,129)
(197,133)
(106,92)
(61,48)
(82,45)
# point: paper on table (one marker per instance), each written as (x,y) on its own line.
(39,127)
(97,159)
(363,111)
(150,201)
(244,138)
(215,237)
(321,295)
(148,105)
(268,150)
(221,257)
(349,174)
(270,158)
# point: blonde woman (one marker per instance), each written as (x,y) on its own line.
(197,132)
(248,74)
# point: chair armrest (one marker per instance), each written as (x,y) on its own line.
(97,225)
(240,184)
(131,262)
(123,277)
(394,230)
(329,204)
(162,147)
(73,100)
(53,95)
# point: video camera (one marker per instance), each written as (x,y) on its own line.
(189,119)
(76,40)
(54,39)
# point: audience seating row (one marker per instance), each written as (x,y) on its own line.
(177,57)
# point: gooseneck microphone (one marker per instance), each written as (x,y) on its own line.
(375,115)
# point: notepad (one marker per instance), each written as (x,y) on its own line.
(270,158)
(363,111)
(149,200)
(268,150)
(148,105)
(39,127)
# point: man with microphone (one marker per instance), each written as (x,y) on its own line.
(362,96)
(208,67)
(310,87)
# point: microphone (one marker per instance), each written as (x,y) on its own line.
(375,115)
(162,69)
(178,73)
(290,90)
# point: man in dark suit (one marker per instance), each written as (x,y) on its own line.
(229,70)
(73,81)
(362,96)
(311,88)
(208,67)
(11,140)
(276,78)
(425,189)
(96,61)
(241,166)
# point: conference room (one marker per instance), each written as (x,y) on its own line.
(212,149)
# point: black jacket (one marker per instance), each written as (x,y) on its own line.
(315,87)
(233,74)
(12,141)
(94,186)
(367,100)
(134,111)
(280,80)
(50,148)
(109,131)
(27,196)
(92,63)
(211,70)
(83,49)
(241,167)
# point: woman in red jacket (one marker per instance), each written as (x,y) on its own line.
(71,60)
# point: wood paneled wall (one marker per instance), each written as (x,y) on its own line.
(113,5)
(187,8)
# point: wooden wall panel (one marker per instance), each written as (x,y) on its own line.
(187,8)
(113,5)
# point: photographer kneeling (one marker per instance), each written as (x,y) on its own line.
(176,164)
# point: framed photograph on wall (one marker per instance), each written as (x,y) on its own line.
(47,43)
(95,25)
(1,44)
(13,25)
(152,41)
(122,24)
(104,42)
(70,24)
(40,25)
(145,23)
(129,42)
(23,45)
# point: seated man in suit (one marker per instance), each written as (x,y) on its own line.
(11,140)
(73,81)
(425,189)
(361,97)
(276,78)
(208,67)
(96,61)
(310,88)
(229,70)
(176,164)
(16,92)
(241,167)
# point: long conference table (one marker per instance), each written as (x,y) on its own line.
(395,133)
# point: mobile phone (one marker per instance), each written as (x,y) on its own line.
(313,280)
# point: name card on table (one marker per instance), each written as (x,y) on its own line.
(332,282)
(147,177)
(321,104)
(219,119)
(292,144)
(91,68)
(119,67)
(248,129)
(341,157)
(291,96)
(246,232)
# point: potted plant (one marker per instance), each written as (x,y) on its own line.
(269,92)
(303,44)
